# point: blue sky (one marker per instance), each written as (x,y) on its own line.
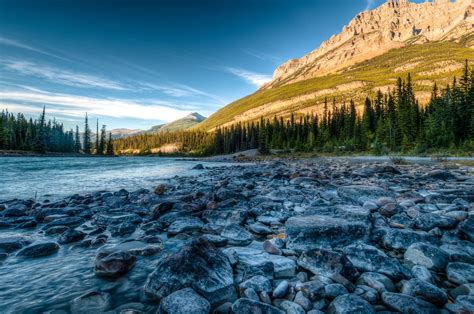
(139,63)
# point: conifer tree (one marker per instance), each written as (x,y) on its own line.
(87,145)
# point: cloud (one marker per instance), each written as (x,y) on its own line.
(14,43)
(262,56)
(60,76)
(28,101)
(369,4)
(253,78)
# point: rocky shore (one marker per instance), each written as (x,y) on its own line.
(276,237)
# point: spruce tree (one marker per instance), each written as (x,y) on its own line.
(87,137)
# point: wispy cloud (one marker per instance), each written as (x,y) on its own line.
(253,78)
(75,106)
(61,76)
(369,4)
(17,44)
(262,56)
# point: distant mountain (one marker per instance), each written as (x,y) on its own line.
(184,123)
(430,40)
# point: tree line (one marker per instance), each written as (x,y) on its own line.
(390,122)
(41,136)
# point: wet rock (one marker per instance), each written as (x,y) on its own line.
(91,303)
(426,291)
(367,293)
(70,236)
(236,235)
(460,273)
(113,264)
(161,209)
(55,230)
(390,209)
(349,303)
(407,304)
(14,243)
(327,263)
(225,217)
(160,189)
(71,222)
(248,306)
(427,255)
(198,265)
(107,220)
(358,194)
(463,304)
(186,224)
(459,253)
(16,210)
(466,229)
(292,307)
(123,229)
(311,232)
(39,249)
(184,301)
(215,239)
(198,167)
(401,239)
(280,290)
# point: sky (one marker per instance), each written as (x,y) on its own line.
(135,64)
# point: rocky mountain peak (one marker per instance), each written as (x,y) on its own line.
(394,24)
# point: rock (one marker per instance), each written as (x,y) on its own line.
(463,304)
(459,253)
(70,236)
(225,308)
(390,209)
(466,229)
(305,303)
(185,224)
(183,302)
(358,194)
(197,265)
(123,229)
(71,222)
(280,291)
(427,255)
(332,291)
(13,243)
(426,291)
(292,307)
(248,306)
(270,248)
(379,282)
(160,189)
(198,167)
(161,209)
(39,249)
(225,217)
(367,258)
(250,293)
(313,290)
(257,283)
(460,273)
(55,230)
(113,264)
(349,303)
(429,221)
(215,239)
(327,263)
(91,303)
(422,273)
(259,228)
(465,289)
(367,293)
(407,304)
(236,235)
(16,210)
(438,174)
(311,232)
(401,239)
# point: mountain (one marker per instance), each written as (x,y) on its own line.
(184,123)
(430,40)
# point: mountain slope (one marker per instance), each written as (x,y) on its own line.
(304,88)
(185,123)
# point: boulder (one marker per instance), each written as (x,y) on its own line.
(39,249)
(466,229)
(236,235)
(185,224)
(184,301)
(112,263)
(401,239)
(224,217)
(358,194)
(91,303)
(327,263)
(426,291)
(257,283)
(13,243)
(292,307)
(197,265)
(280,290)
(248,306)
(312,232)
(407,304)
(460,273)
(70,236)
(349,303)
(429,221)
(379,282)
(427,255)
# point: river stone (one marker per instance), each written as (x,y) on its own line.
(349,303)
(292,307)
(460,273)
(426,291)
(11,244)
(224,217)
(113,264)
(280,290)
(106,220)
(257,283)
(185,224)
(429,221)
(197,265)
(427,255)
(465,289)
(91,303)
(358,194)
(161,209)
(312,232)
(466,228)
(70,236)
(236,235)
(327,263)
(401,239)
(463,304)
(377,281)
(184,301)
(248,306)
(367,258)
(39,249)
(422,273)
(71,222)
(122,229)
(260,229)
(407,304)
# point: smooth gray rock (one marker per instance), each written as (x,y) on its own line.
(465,289)
(184,301)
(429,221)
(292,307)
(460,273)
(260,229)
(305,303)
(70,236)
(13,243)
(379,282)
(407,304)
(236,235)
(39,249)
(334,290)
(401,239)
(427,255)
(257,283)
(280,291)
(248,306)
(426,291)
(224,217)
(185,224)
(113,264)
(349,303)
(91,303)
(466,228)
(422,273)
(312,232)
(327,263)
(358,194)
(197,265)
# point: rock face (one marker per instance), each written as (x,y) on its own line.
(372,33)
(199,266)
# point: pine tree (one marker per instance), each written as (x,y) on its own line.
(110,146)
(87,137)
(77,141)
(40,141)
(102,141)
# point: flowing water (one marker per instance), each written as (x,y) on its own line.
(36,285)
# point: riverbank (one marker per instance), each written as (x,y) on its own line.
(297,236)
